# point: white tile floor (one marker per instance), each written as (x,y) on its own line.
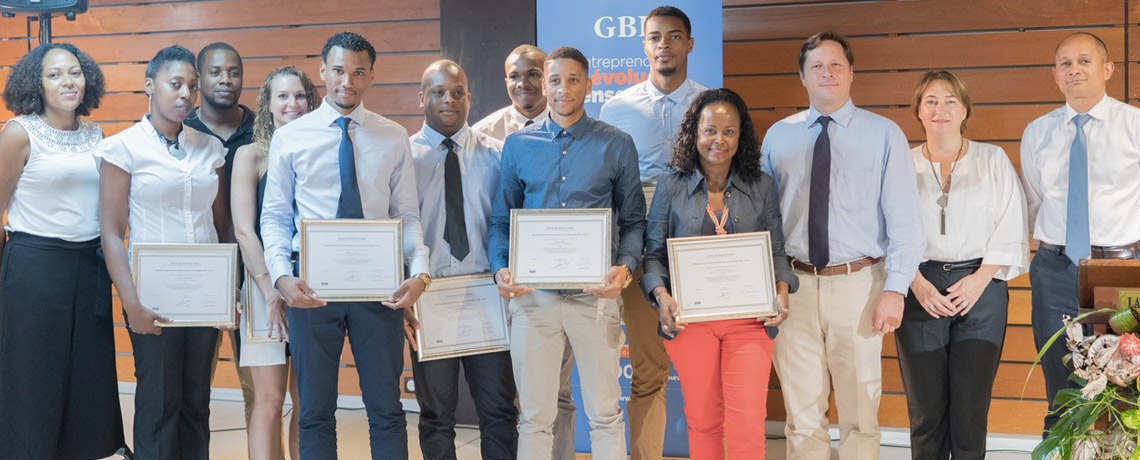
(228,439)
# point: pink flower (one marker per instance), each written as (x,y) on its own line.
(1130,344)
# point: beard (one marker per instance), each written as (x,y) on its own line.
(219,104)
(667,71)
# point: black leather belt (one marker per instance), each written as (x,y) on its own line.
(971,264)
(1127,251)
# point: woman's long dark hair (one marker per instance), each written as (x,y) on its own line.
(746,162)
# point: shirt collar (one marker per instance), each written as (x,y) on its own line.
(1099,111)
(328,115)
(677,96)
(696,182)
(577,130)
(435,139)
(245,127)
(522,119)
(841,116)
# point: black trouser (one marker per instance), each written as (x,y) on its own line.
(172,398)
(492,385)
(59,396)
(948,366)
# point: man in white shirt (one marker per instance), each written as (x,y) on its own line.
(457,174)
(343,161)
(524,86)
(524,72)
(1078,167)
(651,112)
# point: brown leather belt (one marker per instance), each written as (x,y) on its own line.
(841,269)
(1127,251)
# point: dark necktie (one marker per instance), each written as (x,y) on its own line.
(1077,239)
(348,207)
(455,232)
(820,194)
(528,123)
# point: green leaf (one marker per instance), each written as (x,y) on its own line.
(1067,396)
(1051,445)
(1131,418)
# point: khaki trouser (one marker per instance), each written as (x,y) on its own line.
(828,341)
(646,406)
(541,324)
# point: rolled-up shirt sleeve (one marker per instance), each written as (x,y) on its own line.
(901,212)
(1008,245)
(277,212)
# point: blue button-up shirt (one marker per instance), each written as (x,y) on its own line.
(652,118)
(591,164)
(873,210)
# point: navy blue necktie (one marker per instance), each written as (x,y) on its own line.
(455,232)
(818,198)
(1078,243)
(349,205)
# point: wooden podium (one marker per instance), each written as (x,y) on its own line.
(1100,283)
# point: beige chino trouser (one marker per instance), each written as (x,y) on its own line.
(827,341)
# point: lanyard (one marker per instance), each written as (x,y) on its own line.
(719,224)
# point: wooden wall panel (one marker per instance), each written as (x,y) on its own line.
(1003,49)
(123,34)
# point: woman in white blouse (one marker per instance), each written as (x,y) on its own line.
(161,178)
(974,216)
(58,389)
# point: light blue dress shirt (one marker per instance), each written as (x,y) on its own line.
(591,164)
(653,119)
(479,166)
(303,181)
(873,210)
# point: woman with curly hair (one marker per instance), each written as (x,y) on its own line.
(58,389)
(714,186)
(286,95)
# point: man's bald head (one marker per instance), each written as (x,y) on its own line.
(1096,41)
(444,97)
(530,52)
(442,66)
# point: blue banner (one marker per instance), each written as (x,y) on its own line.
(610,34)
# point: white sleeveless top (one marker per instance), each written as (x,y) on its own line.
(57,195)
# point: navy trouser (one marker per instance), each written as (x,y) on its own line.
(316,339)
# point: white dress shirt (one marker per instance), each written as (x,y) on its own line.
(1113,136)
(985,212)
(652,118)
(57,194)
(171,200)
(501,123)
(479,167)
(303,181)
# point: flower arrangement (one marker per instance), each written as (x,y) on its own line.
(1106,367)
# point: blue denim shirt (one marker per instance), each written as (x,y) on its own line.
(590,164)
(678,210)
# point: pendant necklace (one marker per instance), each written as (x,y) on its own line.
(944,187)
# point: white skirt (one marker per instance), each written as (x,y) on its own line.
(254,354)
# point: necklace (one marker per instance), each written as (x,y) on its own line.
(944,187)
(718,225)
(172,146)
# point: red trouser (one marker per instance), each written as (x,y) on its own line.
(724,368)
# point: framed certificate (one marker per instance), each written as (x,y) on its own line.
(189,284)
(255,322)
(560,248)
(461,316)
(348,260)
(722,277)
(648,187)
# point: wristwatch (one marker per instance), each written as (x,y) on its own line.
(628,275)
(425,278)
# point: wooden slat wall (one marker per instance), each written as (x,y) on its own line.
(121,35)
(1004,51)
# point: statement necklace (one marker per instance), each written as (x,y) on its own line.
(944,187)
